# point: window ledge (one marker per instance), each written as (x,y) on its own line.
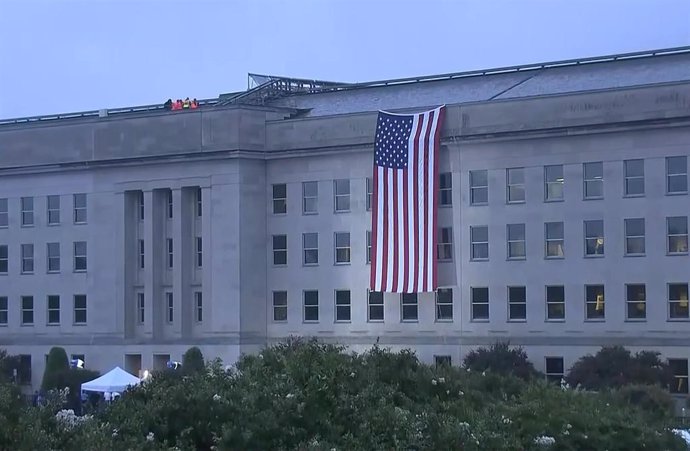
(516,259)
(554,320)
(553,200)
(444,320)
(594,256)
(595,320)
(377,321)
(515,202)
(678,320)
(675,254)
(632,196)
(593,198)
(548,257)
(521,320)
(677,193)
(634,255)
(635,320)
(479,320)
(479,259)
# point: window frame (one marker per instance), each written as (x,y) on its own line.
(510,242)
(670,302)
(444,249)
(594,237)
(474,302)
(670,235)
(53,211)
(475,244)
(342,306)
(310,197)
(345,248)
(199,202)
(27,212)
(26,310)
(78,208)
(141,253)
(548,183)
(199,252)
(306,249)
(368,247)
(548,240)
(369,197)
(632,178)
(141,205)
(629,303)
(279,204)
(27,257)
(445,189)
(78,258)
(627,237)
(478,188)
(141,307)
(169,246)
(345,197)
(517,303)
(593,180)
(314,307)
(517,185)
(4,259)
(199,306)
(554,302)
(52,309)
(79,309)
(277,305)
(52,258)
(409,302)
(278,251)
(440,306)
(4,213)
(551,376)
(170,204)
(595,301)
(680,378)
(669,176)
(169,307)
(4,311)
(375,305)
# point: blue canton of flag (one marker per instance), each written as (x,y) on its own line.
(392,140)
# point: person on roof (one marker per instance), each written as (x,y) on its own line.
(168,104)
(195,104)
(177,105)
(186,104)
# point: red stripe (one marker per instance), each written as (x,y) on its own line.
(406,226)
(437,152)
(374,222)
(384,255)
(396,223)
(415,190)
(427,132)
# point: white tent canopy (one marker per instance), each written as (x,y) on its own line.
(116,380)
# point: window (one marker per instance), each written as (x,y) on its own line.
(593,180)
(4,259)
(3,311)
(27,310)
(310,197)
(199,252)
(311,306)
(555,244)
(279,199)
(280,249)
(24,370)
(679,369)
(676,175)
(444,304)
(442,360)
(27,204)
(170,204)
(79,309)
(636,301)
(199,306)
(594,300)
(27,258)
(53,257)
(634,236)
(170,307)
(310,244)
(341,189)
(517,303)
(280,306)
(54,309)
(634,177)
(342,247)
(515,185)
(375,305)
(594,238)
(516,241)
(480,303)
(677,234)
(80,215)
(141,308)
(678,301)
(444,251)
(370,193)
(140,203)
(479,187)
(342,306)
(199,202)
(53,210)
(409,306)
(479,240)
(554,369)
(445,189)
(4,215)
(80,255)
(169,247)
(368,246)
(141,254)
(555,302)
(553,182)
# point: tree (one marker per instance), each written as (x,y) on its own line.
(56,364)
(193,360)
(7,365)
(501,359)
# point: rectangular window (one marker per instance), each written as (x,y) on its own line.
(594,238)
(479,187)
(170,204)
(516,241)
(27,204)
(4,311)
(442,360)
(593,180)
(141,254)
(24,370)
(4,214)
(54,309)
(368,246)
(311,306)
(280,306)
(199,306)
(554,369)
(634,236)
(553,182)
(141,308)
(310,197)
(171,254)
(53,257)
(678,301)
(479,240)
(4,258)
(170,307)
(480,303)
(370,193)
(555,244)
(636,301)
(280,249)
(375,305)
(515,185)
(410,306)
(53,210)
(634,177)
(679,369)
(79,309)
(676,175)
(199,252)
(140,205)
(444,304)
(80,211)
(594,300)
(677,234)
(310,246)
(80,255)
(27,258)
(27,310)
(342,247)
(279,199)
(342,306)
(517,303)
(445,189)
(341,190)
(555,302)
(444,250)
(199,202)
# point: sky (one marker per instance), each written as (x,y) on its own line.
(60,56)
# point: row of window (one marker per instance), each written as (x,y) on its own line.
(170,254)
(141,210)
(170,307)
(53,310)
(53,213)
(53,260)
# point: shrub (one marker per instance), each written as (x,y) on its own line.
(651,399)
(193,360)
(501,359)
(56,364)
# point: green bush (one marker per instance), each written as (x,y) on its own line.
(7,365)
(651,399)
(501,359)
(193,360)
(56,364)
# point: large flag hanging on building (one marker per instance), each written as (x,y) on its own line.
(403,237)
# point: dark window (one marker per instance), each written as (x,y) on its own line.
(311,305)
(636,300)
(53,309)
(280,198)
(479,187)
(555,302)
(444,304)
(517,303)
(280,249)
(445,189)
(554,369)
(342,305)
(480,303)
(595,302)
(280,305)
(79,309)
(375,299)
(409,306)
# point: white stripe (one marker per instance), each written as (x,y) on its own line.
(432,225)
(401,231)
(378,285)
(411,168)
(390,251)
(420,205)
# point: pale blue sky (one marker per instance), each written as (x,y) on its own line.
(62,56)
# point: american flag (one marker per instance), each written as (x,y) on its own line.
(404,208)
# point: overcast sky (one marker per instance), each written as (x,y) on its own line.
(63,56)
